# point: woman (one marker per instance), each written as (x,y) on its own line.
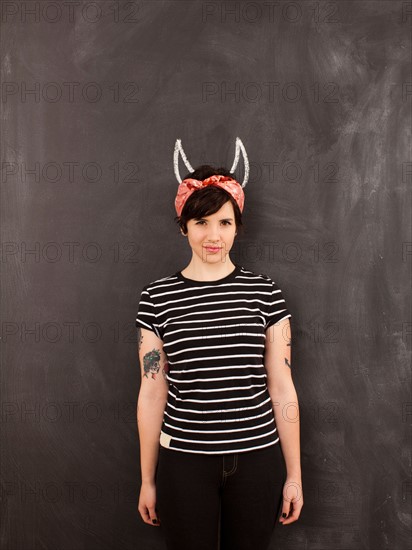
(217,406)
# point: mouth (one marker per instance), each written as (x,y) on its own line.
(212,248)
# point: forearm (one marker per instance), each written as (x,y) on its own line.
(286,410)
(149,422)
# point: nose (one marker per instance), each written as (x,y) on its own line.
(214,235)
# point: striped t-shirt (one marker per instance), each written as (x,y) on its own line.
(213,335)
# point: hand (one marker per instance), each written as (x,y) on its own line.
(292,500)
(147,504)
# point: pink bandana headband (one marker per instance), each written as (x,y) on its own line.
(190,185)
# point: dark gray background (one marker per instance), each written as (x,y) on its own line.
(322,103)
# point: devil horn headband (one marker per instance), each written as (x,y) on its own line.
(240,148)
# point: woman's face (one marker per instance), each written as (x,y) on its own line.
(217,231)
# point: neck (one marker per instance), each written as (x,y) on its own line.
(208,271)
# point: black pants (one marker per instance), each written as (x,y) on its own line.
(219,502)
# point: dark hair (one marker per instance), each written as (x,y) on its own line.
(207,201)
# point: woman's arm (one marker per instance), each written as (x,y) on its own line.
(286,410)
(151,404)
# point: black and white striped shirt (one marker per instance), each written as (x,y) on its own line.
(214,339)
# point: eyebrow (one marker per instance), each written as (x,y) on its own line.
(222,220)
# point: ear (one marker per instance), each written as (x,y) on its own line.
(179,149)
(241,147)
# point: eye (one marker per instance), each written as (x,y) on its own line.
(224,221)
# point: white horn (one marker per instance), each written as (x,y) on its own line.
(241,147)
(179,149)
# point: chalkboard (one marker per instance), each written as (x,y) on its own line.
(94,96)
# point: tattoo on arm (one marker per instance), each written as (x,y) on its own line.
(286,359)
(151,363)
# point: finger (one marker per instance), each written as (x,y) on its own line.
(144,514)
(293,516)
(153,516)
(285,510)
(148,515)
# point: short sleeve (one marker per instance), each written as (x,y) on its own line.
(146,316)
(277,310)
